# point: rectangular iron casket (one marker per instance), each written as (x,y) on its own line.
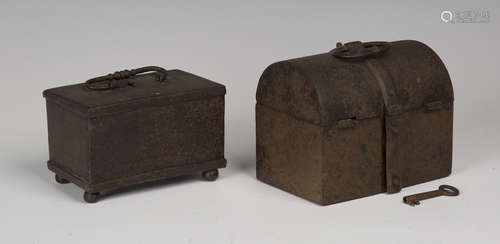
(362,119)
(143,131)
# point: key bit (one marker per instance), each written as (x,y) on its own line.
(444,190)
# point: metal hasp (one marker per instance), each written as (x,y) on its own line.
(364,118)
(128,128)
(443,190)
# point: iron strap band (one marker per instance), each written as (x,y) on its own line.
(367,54)
(386,86)
(380,82)
(393,157)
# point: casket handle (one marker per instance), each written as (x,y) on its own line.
(114,78)
(358,51)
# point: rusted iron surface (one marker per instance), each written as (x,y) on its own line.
(443,190)
(362,119)
(116,136)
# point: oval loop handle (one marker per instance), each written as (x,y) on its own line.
(359,50)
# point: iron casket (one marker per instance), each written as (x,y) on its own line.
(128,129)
(362,119)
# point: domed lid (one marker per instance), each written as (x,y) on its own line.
(342,84)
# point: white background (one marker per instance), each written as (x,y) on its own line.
(44,44)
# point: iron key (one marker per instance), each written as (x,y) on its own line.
(444,190)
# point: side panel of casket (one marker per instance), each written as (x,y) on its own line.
(420,144)
(68,140)
(354,164)
(289,153)
(156,137)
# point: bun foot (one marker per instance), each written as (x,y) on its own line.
(61,180)
(91,197)
(210,175)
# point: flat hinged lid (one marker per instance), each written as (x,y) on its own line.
(104,96)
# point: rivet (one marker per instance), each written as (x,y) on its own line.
(395,181)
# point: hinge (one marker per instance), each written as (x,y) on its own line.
(347,123)
(433,106)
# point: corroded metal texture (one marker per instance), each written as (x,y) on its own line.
(362,119)
(111,138)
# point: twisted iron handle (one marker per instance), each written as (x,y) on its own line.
(124,74)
